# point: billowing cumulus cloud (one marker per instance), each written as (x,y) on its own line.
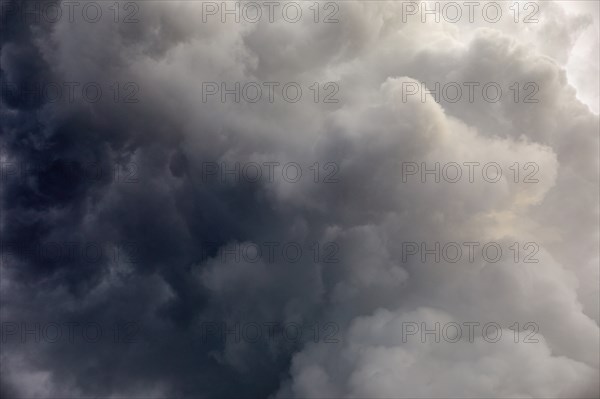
(156,238)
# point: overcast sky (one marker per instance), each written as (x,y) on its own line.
(272,204)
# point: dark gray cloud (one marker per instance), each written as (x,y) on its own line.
(120,232)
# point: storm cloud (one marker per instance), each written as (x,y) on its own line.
(178,221)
